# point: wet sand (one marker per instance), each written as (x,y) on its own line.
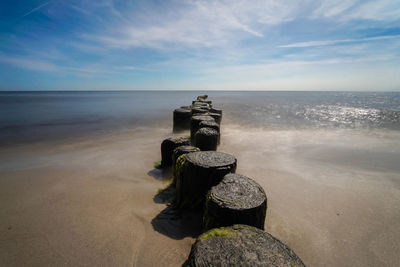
(333,197)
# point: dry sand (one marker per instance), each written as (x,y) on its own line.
(91,201)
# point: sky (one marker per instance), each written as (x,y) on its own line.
(200,45)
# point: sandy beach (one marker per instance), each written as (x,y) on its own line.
(91,201)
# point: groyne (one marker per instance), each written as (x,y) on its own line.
(233,206)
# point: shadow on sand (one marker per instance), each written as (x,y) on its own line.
(173,222)
(160,174)
(177,223)
(166,195)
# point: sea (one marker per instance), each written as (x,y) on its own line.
(328,161)
(40,116)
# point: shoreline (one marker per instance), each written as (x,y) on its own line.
(90,200)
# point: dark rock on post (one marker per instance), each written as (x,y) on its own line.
(237,199)
(206,139)
(168,146)
(195,122)
(240,245)
(181,119)
(197,172)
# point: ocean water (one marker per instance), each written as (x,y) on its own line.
(38,116)
(328,161)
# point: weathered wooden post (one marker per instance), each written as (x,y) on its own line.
(237,199)
(197,172)
(168,146)
(217,117)
(181,119)
(240,245)
(209,102)
(216,110)
(200,104)
(199,110)
(206,139)
(202,97)
(212,125)
(195,122)
(180,150)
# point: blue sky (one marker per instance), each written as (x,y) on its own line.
(177,45)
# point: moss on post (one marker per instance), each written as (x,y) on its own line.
(168,146)
(179,151)
(240,245)
(202,97)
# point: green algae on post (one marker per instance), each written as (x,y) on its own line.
(157,164)
(177,153)
(168,146)
(222,232)
(240,245)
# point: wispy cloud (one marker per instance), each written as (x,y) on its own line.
(36,9)
(383,10)
(199,23)
(30,64)
(330,8)
(336,42)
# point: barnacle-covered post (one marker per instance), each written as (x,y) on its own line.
(197,172)
(237,199)
(240,245)
(168,146)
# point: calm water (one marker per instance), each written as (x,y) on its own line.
(34,116)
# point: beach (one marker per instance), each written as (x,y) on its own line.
(333,195)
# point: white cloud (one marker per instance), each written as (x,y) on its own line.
(329,8)
(382,10)
(335,42)
(199,23)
